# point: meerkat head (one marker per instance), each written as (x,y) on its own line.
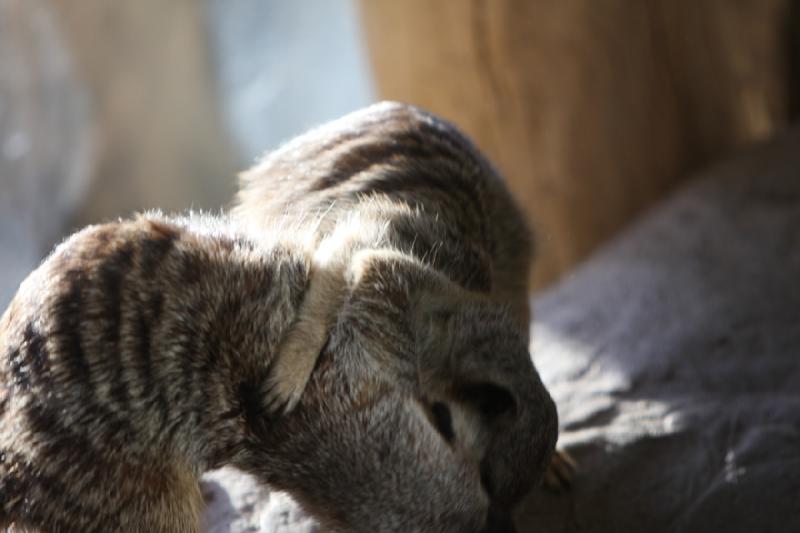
(424,413)
(483,395)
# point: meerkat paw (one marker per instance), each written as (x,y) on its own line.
(289,373)
(285,385)
(560,472)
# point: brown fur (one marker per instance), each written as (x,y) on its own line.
(398,191)
(386,279)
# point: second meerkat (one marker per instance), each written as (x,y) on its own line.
(399,188)
(389,178)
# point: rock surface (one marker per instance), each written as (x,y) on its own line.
(672,355)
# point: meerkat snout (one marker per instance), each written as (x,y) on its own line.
(479,409)
(467,421)
(472,412)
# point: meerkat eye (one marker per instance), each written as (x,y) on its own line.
(443,420)
(491,400)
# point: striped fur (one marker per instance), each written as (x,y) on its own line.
(123,360)
(406,197)
(373,280)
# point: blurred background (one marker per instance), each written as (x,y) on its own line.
(593,109)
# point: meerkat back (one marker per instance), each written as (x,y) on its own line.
(390,154)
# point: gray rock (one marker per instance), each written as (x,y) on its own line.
(673,356)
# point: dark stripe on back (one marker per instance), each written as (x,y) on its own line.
(153,251)
(316,146)
(190,353)
(36,352)
(56,509)
(152,255)
(148,315)
(445,134)
(29,362)
(409,160)
(207,377)
(15,481)
(67,317)
(20,376)
(192,268)
(177,390)
(111,278)
(415,181)
(362,157)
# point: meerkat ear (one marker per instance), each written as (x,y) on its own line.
(431,299)
(432,328)
(429,293)
(434,308)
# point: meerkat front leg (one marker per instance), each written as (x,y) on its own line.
(332,272)
(297,354)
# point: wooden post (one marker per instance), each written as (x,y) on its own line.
(593,109)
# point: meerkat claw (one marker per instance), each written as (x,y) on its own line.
(560,472)
(282,395)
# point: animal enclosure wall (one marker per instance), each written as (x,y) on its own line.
(592,109)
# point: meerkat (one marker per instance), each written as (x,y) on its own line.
(354,336)
(388,177)
(397,179)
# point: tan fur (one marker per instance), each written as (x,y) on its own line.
(123,358)
(372,282)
